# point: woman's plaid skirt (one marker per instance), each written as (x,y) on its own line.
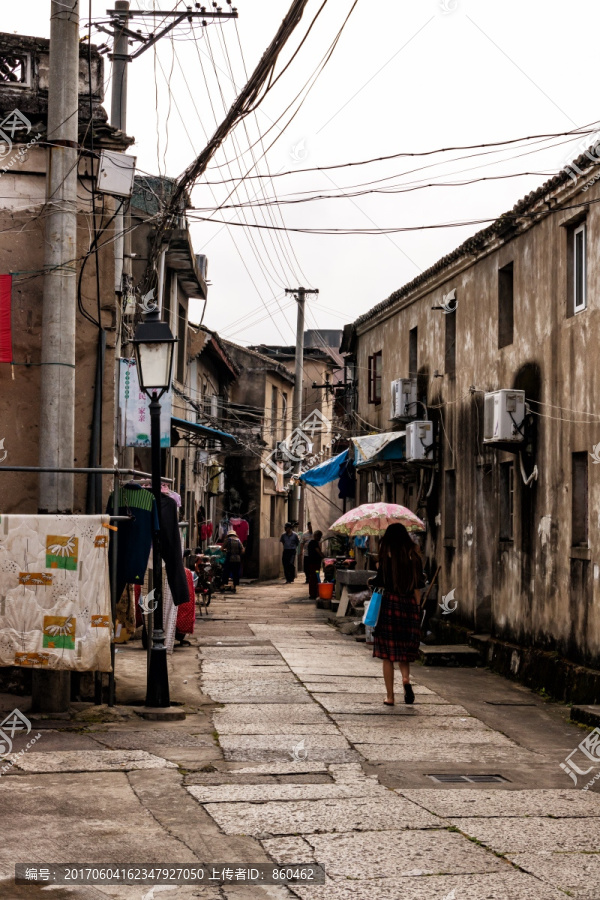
(398,631)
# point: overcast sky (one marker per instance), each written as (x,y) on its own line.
(406,76)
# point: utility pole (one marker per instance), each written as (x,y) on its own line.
(300,296)
(51,690)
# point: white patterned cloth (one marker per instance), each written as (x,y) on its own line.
(54,592)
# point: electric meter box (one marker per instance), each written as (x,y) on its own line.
(116,172)
(503,416)
(404,398)
(419,441)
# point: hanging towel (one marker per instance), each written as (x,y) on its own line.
(54,592)
(241,528)
(134,537)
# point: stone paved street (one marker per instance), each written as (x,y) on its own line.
(288,755)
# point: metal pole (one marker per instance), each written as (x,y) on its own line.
(157,688)
(113,592)
(51,691)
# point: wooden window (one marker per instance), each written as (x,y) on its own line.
(579,499)
(450,362)
(413,352)
(15,70)
(450,504)
(505,305)
(507,501)
(375,366)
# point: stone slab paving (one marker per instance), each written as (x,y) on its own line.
(255,793)
(283,768)
(91,761)
(129,740)
(267,692)
(493,886)
(419,717)
(450,752)
(359,686)
(470,803)
(368,855)
(372,704)
(288,741)
(575,873)
(415,737)
(563,835)
(254,754)
(269,714)
(306,816)
(273,728)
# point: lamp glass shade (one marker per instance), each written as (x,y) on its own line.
(154,363)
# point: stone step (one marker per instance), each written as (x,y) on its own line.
(449,655)
(586,715)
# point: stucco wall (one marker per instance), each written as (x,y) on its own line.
(540,589)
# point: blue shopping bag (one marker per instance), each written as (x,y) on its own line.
(372,613)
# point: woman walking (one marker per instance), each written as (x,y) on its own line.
(314,558)
(398,631)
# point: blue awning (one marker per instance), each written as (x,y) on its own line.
(373,448)
(327,471)
(203,431)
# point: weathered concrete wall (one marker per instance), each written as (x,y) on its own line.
(539,589)
(22,254)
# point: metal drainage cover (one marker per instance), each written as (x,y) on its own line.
(468,779)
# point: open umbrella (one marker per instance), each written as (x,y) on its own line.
(374,518)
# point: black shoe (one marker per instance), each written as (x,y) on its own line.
(409,694)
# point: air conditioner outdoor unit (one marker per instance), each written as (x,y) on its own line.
(404,398)
(503,416)
(419,441)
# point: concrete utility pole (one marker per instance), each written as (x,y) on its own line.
(118,119)
(57,395)
(300,295)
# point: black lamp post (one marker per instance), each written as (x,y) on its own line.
(153,346)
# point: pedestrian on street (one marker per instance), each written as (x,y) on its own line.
(305,541)
(290,541)
(313,565)
(234,550)
(398,631)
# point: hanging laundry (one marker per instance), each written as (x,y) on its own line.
(54,592)
(222,530)
(347,482)
(134,537)
(186,612)
(170,548)
(241,528)
(213,478)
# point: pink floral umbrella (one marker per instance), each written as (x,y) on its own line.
(374,518)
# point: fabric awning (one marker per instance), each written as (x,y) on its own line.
(373,447)
(203,431)
(327,471)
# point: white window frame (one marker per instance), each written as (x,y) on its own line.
(581,229)
(27,67)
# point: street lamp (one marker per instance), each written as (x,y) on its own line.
(153,346)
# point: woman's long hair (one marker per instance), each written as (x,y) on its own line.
(399,560)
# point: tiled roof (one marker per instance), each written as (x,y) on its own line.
(267,361)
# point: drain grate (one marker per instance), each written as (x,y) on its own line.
(467,779)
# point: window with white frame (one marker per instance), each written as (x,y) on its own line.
(579,268)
